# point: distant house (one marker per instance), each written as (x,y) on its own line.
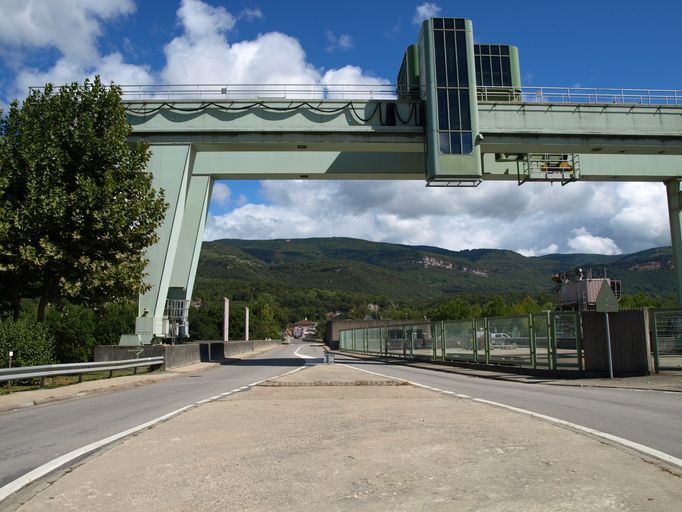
(303,329)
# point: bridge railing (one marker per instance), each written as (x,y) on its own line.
(260,92)
(581,95)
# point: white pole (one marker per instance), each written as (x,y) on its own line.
(246,324)
(226,319)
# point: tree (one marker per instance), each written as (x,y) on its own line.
(79,207)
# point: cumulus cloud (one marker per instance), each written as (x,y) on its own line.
(583,241)
(72,28)
(221,194)
(425,11)
(532,220)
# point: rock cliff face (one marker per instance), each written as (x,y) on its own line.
(432,262)
(665,264)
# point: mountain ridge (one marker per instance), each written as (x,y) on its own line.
(416,273)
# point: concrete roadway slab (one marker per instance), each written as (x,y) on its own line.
(326,439)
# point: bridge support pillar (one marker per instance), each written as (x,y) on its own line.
(675,215)
(189,245)
(171,168)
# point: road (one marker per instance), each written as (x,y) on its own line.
(651,418)
(33,436)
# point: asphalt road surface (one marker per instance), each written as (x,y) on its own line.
(32,436)
(651,418)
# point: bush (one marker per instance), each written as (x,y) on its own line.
(73,327)
(31,342)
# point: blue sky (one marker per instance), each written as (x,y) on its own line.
(580,44)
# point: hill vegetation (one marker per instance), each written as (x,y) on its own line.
(323,278)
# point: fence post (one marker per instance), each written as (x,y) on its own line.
(654,339)
(551,342)
(486,340)
(474,337)
(531,341)
(579,341)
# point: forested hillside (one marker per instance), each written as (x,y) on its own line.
(323,278)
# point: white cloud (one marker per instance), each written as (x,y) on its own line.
(201,21)
(583,241)
(343,41)
(532,220)
(221,194)
(71,26)
(251,14)
(425,11)
(550,249)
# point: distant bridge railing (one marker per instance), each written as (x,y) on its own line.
(581,95)
(260,92)
(53,370)
(386,91)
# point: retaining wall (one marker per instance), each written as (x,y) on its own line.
(183,354)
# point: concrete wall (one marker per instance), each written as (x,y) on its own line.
(184,354)
(630,343)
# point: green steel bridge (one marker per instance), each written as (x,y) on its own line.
(457,116)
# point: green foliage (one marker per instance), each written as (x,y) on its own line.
(206,321)
(74,329)
(31,342)
(113,320)
(78,204)
(641,300)
(456,309)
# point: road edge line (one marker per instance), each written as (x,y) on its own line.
(646,450)
(45,469)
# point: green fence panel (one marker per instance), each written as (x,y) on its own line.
(510,340)
(567,339)
(666,338)
(459,342)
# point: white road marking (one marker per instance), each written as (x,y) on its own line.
(47,468)
(647,450)
(303,356)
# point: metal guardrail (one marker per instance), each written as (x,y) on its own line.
(581,95)
(53,370)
